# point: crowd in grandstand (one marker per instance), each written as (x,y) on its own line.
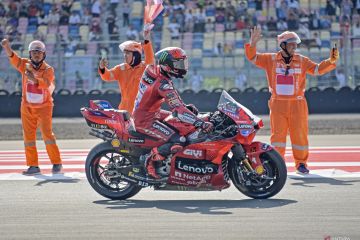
(90,27)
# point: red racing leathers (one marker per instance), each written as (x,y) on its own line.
(154,89)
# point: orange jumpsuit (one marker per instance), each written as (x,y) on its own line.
(36,109)
(288,106)
(129,78)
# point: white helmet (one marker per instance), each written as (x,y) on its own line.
(37,46)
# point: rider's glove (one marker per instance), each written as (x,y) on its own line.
(207,127)
(192,108)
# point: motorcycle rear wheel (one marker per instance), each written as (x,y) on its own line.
(261,188)
(100,163)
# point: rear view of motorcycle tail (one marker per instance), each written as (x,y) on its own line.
(209,161)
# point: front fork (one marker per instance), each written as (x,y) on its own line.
(250,156)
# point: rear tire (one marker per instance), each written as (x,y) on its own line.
(261,188)
(98,168)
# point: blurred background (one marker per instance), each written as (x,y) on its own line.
(78,33)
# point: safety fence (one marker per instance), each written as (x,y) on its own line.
(68,104)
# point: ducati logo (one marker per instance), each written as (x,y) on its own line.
(193,152)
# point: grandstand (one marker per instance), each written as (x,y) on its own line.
(213,33)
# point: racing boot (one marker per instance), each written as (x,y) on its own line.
(150,162)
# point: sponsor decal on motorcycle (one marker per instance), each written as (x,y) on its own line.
(115,143)
(186,117)
(161,129)
(136,140)
(245,133)
(186,176)
(194,153)
(110,121)
(245,126)
(196,166)
(96,125)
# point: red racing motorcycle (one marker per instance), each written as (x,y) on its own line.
(115,168)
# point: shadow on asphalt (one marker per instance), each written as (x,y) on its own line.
(213,207)
(55,179)
(308,182)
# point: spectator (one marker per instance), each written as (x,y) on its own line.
(347,7)
(228,49)
(230,11)
(74,18)
(23,12)
(96,8)
(79,82)
(113,6)
(64,18)
(230,24)
(111,19)
(281,12)
(272,24)
(304,31)
(282,25)
(174,28)
(132,33)
(42,18)
(220,17)
(210,9)
(241,10)
(356,29)
(330,9)
(241,23)
(86,17)
(357,6)
(32,10)
(240,80)
(126,12)
(38,35)
(66,6)
(114,38)
(340,77)
(53,18)
(209,26)
(218,50)
(200,21)
(293,22)
(196,81)
(189,21)
(314,20)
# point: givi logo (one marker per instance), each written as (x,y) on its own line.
(193,152)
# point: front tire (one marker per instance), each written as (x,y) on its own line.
(265,186)
(100,166)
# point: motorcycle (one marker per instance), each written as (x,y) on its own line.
(116,169)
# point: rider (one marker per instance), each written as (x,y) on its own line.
(156,86)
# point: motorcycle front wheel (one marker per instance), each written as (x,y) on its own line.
(100,167)
(261,186)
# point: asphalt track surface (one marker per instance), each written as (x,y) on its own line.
(323,204)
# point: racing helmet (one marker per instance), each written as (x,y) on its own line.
(173,61)
(131,46)
(288,37)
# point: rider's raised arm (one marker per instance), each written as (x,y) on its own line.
(176,104)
